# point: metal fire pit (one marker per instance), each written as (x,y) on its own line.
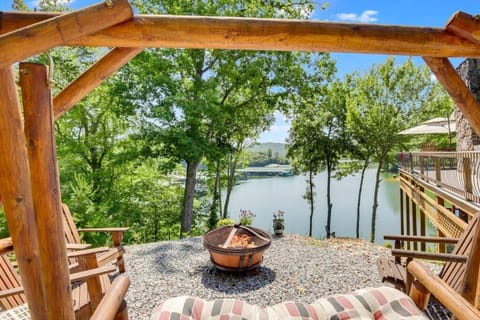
(236,259)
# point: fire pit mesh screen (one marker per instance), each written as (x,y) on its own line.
(237,248)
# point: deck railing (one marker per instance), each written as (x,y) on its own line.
(443,187)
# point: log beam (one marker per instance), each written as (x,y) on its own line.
(91,78)
(39,37)
(40,136)
(456,88)
(465,26)
(267,34)
(17,193)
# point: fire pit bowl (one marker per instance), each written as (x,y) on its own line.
(237,248)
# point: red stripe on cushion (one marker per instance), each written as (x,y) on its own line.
(237,308)
(197,309)
(345,302)
(379,296)
(313,312)
(224,317)
(407,304)
(292,309)
(164,315)
(378,315)
(344,315)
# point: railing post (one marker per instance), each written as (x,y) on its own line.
(414,222)
(422,164)
(467,176)
(441,246)
(422,221)
(407,217)
(402,227)
(411,163)
(438,173)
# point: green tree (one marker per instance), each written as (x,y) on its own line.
(317,136)
(378,109)
(197,95)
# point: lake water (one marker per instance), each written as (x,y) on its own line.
(265,196)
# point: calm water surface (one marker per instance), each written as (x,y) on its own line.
(265,196)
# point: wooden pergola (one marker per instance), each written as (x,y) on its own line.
(29,185)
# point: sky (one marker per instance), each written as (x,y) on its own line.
(431,13)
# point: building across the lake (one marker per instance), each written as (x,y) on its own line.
(268,171)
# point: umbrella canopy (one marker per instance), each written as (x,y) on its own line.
(432,126)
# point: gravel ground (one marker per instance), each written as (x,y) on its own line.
(294,268)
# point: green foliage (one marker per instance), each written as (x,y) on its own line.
(225,222)
(380,105)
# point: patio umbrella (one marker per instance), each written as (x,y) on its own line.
(433,126)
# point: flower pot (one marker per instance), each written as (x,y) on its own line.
(278,232)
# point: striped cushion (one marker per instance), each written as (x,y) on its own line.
(372,303)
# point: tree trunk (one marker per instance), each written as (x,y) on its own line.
(215,207)
(232,165)
(365,165)
(188,197)
(329,203)
(375,202)
(310,186)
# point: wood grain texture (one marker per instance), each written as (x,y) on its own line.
(470,285)
(17,193)
(40,135)
(465,26)
(112,302)
(92,78)
(268,34)
(39,37)
(456,88)
(447,296)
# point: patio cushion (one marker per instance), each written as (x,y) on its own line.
(371,303)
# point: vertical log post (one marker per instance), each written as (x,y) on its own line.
(16,194)
(438,173)
(40,135)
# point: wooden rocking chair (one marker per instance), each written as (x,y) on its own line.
(73,237)
(453,271)
(88,288)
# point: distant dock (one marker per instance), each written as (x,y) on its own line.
(268,171)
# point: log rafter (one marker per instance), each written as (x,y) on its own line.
(33,39)
(465,26)
(456,88)
(266,34)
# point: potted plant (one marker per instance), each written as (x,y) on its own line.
(246,217)
(278,222)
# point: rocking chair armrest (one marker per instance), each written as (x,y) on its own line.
(79,276)
(420,238)
(112,303)
(91,273)
(447,296)
(429,255)
(78,246)
(81,253)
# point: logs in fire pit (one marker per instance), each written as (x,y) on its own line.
(237,248)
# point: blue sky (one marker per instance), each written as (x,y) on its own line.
(432,13)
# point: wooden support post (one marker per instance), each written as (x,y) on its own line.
(407,217)
(467,177)
(465,26)
(422,165)
(17,194)
(414,223)
(40,135)
(441,246)
(402,223)
(422,222)
(456,88)
(34,39)
(438,172)
(91,78)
